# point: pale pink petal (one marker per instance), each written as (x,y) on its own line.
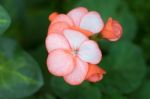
(56,41)
(90,52)
(78,74)
(63,18)
(75,38)
(60,62)
(92,22)
(76,14)
(57,27)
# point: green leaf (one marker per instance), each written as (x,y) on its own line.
(117,9)
(41,59)
(4,20)
(34,21)
(84,93)
(18,15)
(69,4)
(125,67)
(145,45)
(20,74)
(113,95)
(29,18)
(148,71)
(41,96)
(60,88)
(143,92)
(46,96)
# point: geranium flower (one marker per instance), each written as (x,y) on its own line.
(79,19)
(112,30)
(72,55)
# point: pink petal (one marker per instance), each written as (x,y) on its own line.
(78,74)
(74,38)
(60,62)
(63,18)
(56,41)
(76,14)
(92,22)
(57,27)
(90,52)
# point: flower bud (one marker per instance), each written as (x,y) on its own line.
(112,30)
(95,73)
(53,16)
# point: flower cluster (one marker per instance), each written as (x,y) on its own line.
(71,54)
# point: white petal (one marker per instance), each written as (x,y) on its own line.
(90,52)
(74,38)
(92,22)
(76,14)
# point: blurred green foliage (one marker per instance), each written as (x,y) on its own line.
(23,70)
(4,20)
(18,71)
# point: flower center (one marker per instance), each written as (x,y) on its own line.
(74,52)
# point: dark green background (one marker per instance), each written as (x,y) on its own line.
(23,71)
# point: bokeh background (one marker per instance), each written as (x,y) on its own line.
(23,71)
